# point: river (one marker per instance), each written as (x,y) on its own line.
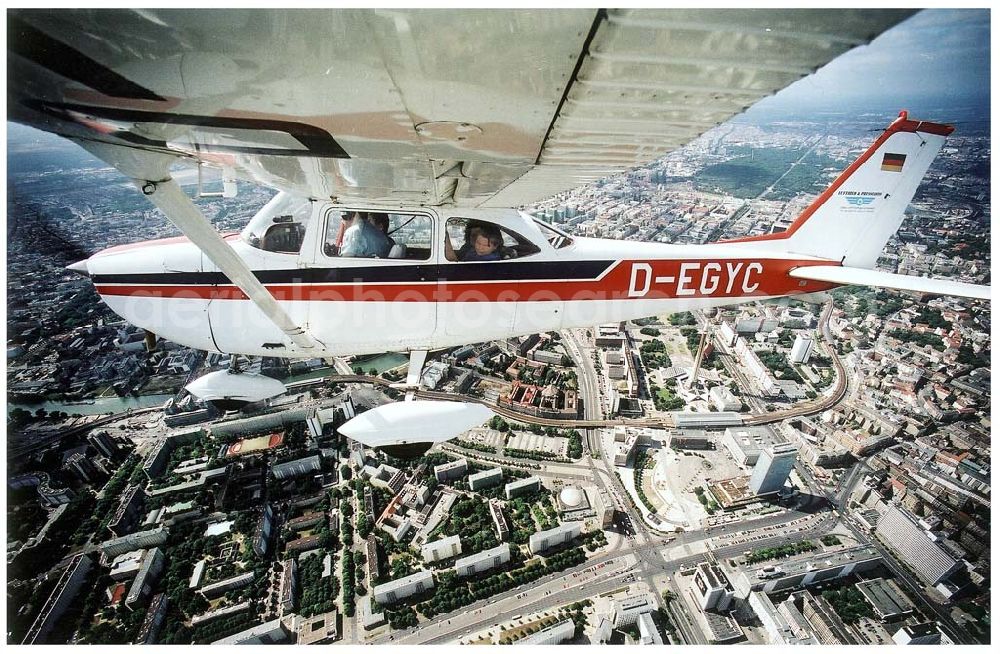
(96,406)
(380,362)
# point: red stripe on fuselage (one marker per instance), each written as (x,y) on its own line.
(628,280)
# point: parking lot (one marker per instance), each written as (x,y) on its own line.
(483,436)
(555,445)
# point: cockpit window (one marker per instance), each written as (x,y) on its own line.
(280,226)
(284,236)
(379,235)
(556,238)
(480,240)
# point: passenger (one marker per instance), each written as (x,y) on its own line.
(332,247)
(381,221)
(362,239)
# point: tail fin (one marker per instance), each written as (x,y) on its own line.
(856,216)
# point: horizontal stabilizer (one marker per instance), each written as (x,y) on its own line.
(866,277)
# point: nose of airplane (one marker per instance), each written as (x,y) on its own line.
(80,267)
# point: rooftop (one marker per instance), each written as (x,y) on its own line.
(713,575)
(403,582)
(922,629)
(572,497)
(218,528)
(812,561)
(885,596)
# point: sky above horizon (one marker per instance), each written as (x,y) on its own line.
(936,57)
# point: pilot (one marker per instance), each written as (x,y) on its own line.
(363,239)
(488,238)
(483,244)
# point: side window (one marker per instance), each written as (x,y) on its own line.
(280,226)
(379,235)
(283,237)
(478,240)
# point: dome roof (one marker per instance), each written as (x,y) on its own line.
(571,496)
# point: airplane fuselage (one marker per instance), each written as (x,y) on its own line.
(371,305)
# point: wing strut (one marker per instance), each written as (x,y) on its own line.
(151,173)
(181,211)
(412,385)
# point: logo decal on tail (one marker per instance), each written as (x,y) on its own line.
(859,201)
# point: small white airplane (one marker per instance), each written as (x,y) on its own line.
(398,140)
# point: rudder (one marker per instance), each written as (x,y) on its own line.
(853,219)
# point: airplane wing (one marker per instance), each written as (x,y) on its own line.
(471,107)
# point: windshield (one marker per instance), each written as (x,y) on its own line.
(556,238)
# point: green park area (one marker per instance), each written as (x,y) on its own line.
(750,174)
(784,551)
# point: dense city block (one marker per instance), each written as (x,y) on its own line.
(775,473)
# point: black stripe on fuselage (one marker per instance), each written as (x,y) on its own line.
(387,274)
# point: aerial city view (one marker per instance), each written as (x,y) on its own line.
(780,471)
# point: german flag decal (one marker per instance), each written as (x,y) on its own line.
(893,162)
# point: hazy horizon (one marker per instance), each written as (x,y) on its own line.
(938,59)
